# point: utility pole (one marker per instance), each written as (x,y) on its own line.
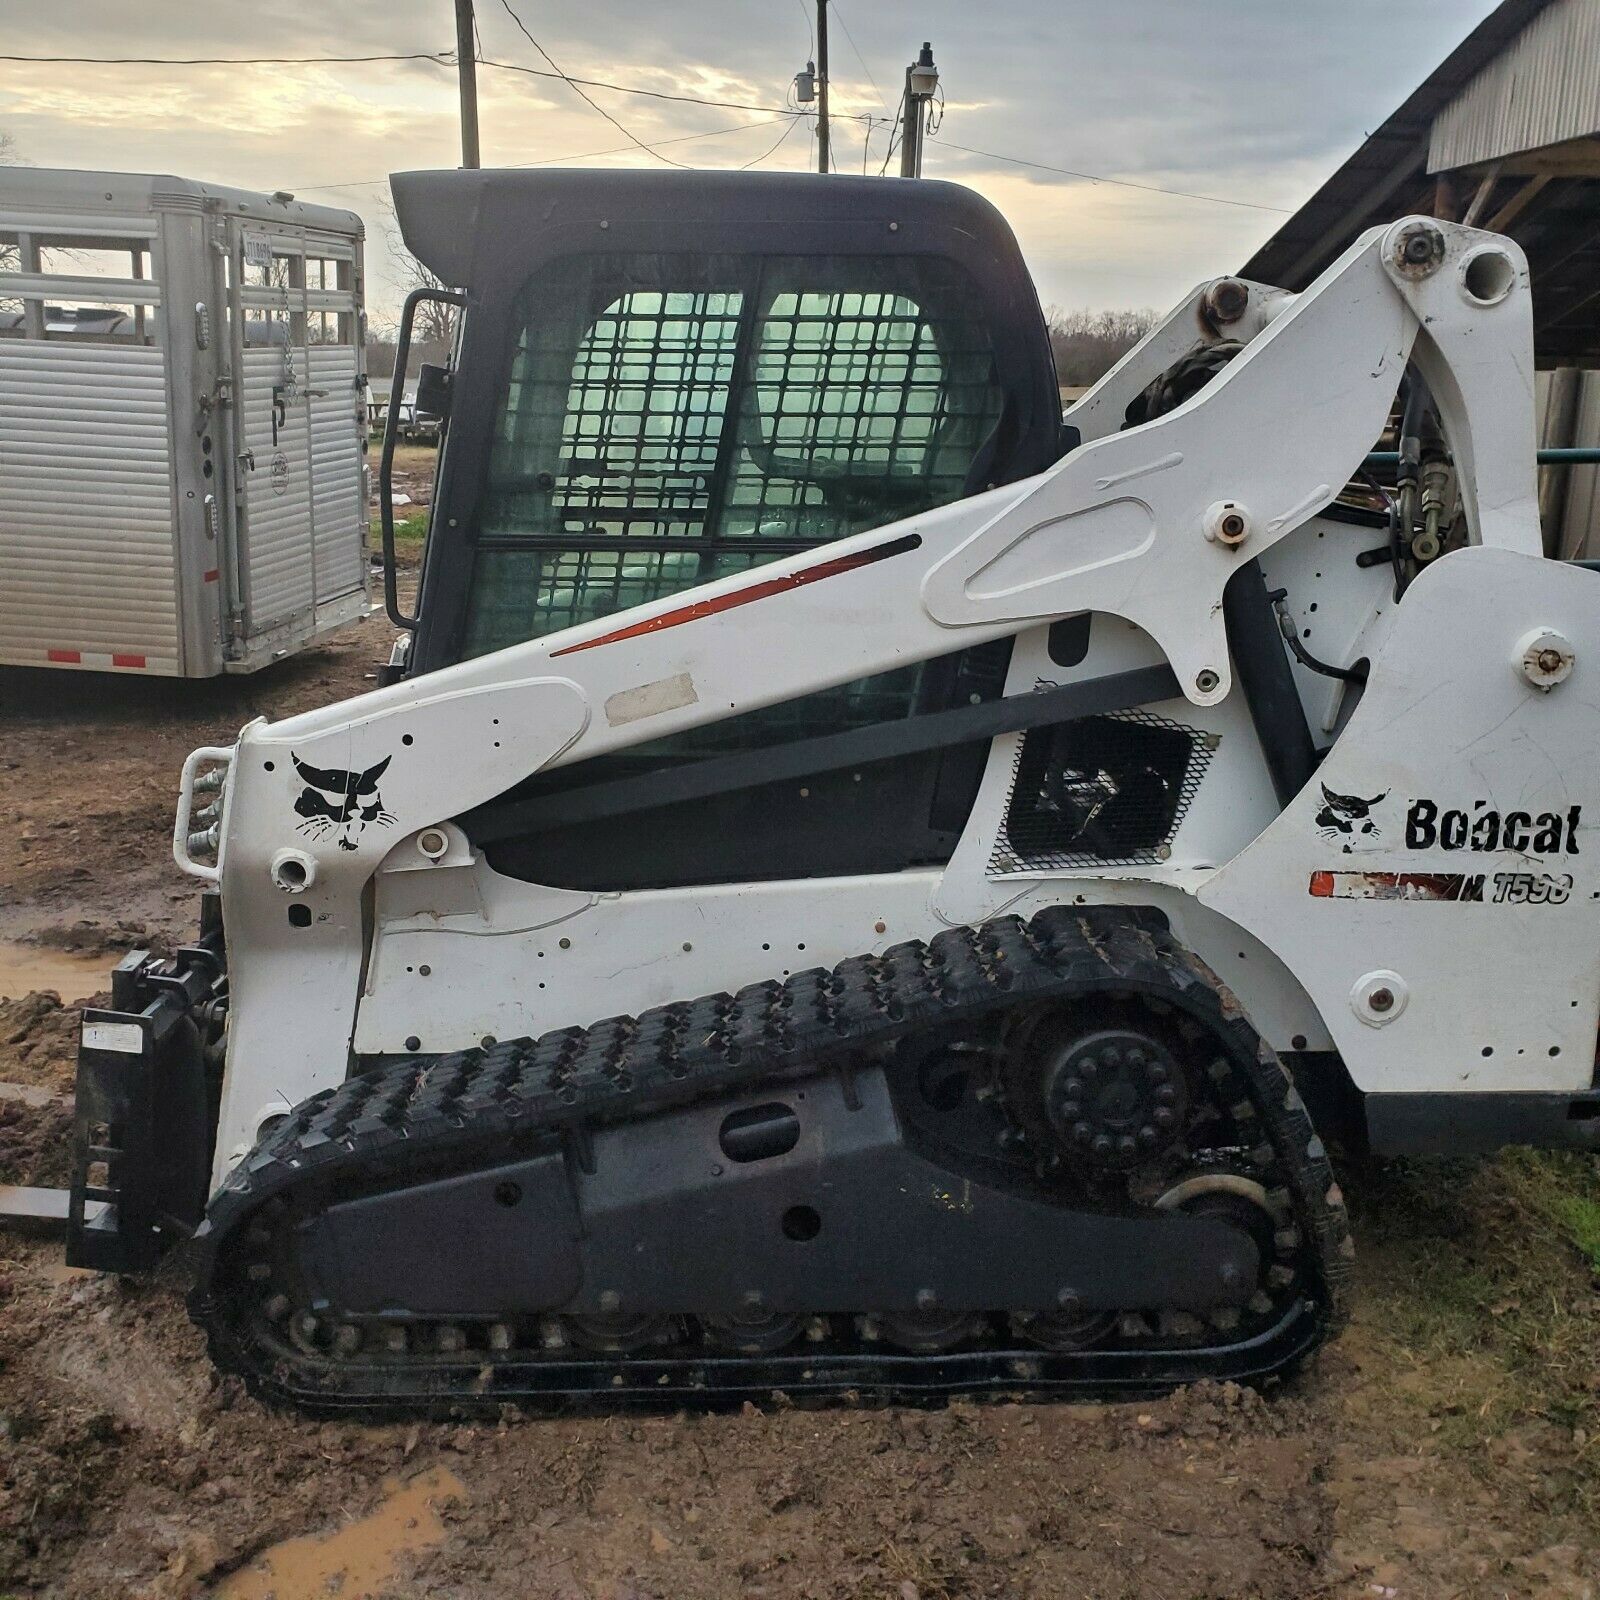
(922,78)
(467,70)
(824,158)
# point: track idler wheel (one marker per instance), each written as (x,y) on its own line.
(1064,1331)
(1266,1214)
(620,1332)
(924,1332)
(754,1332)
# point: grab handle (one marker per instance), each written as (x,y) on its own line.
(186,837)
(391,425)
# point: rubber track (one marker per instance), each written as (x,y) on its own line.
(431,1113)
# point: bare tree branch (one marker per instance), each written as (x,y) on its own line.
(435,323)
(1087,344)
(10,258)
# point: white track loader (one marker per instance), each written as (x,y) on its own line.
(859,886)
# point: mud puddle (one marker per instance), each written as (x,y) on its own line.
(72,974)
(354,1560)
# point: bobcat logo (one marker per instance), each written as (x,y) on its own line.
(1346,815)
(342,801)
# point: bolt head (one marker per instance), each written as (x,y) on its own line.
(1381,1000)
(1545,658)
(1419,250)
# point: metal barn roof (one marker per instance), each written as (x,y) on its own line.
(1505,134)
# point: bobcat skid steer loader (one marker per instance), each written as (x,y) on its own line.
(842,887)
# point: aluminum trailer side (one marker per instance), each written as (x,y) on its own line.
(182,435)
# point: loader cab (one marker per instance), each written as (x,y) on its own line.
(667,378)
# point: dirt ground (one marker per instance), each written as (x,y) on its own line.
(1448,1445)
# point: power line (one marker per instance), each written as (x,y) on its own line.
(446,58)
(811,32)
(894,142)
(545,161)
(661,94)
(850,37)
(773,149)
(442,57)
(1121,183)
(593,104)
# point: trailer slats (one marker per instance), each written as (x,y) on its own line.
(86,543)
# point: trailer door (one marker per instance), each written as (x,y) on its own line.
(300,435)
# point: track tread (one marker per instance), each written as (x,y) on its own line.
(424,1113)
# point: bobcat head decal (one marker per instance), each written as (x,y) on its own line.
(343,801)
(1345,815)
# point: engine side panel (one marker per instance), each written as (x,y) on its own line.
(1436,889)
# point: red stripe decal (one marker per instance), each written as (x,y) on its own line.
(1461,886)
(74,657)
(743,597)
(213,575)
(127,661)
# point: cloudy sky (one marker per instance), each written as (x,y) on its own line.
(1241,100)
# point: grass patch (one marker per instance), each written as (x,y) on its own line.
(1579,1215)
(1481,1291)
(410,529)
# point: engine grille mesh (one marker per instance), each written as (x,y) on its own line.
(1099,791)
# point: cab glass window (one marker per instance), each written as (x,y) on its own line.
(672,419)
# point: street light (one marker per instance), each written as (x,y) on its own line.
(922,81)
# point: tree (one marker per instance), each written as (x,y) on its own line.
(1087,344)
(10,260)
(435,323)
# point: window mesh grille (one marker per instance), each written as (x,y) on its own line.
(695,415)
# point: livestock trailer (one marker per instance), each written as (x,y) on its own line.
(183,476)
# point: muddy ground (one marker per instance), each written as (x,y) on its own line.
(1448,1445)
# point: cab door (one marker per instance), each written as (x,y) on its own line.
(670,379)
